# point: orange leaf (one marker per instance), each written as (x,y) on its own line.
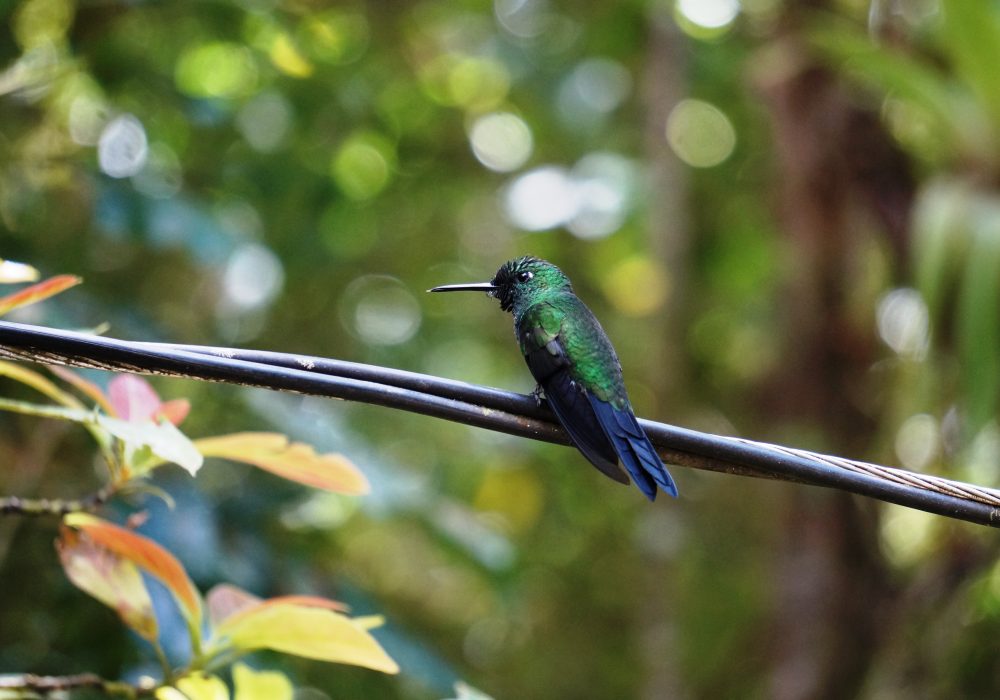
(147,555)
(38,292)
(110,578)
(309,601)
(295,461)
(173,411)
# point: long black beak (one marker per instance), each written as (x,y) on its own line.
(471,287)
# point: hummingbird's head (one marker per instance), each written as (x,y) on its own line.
(521,279)
(517,282)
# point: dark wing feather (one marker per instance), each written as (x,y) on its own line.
(633,447)
(550,368)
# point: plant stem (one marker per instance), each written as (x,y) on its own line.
(168,671)
(15,505)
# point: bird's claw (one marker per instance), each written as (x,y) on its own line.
(537,394)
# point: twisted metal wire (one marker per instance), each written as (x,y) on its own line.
(929,482)
(492,409)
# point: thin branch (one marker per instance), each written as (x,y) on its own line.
(50,684)
(15,505)
(493,409)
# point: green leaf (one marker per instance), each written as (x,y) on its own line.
(978,314)
(311,632)
(260,685)
(39,383)
(940,238)
(202,686)
(108,577)
(166,442)
(903,76)
(972,39)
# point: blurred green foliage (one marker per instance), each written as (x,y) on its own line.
(293,175)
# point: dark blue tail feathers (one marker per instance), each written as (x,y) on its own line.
(576,416)
(633,448)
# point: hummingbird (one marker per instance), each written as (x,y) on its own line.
(576,367)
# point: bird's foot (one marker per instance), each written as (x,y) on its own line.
(537,394)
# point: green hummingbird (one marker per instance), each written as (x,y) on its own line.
(572,360)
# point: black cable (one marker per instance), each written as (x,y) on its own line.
(483,407)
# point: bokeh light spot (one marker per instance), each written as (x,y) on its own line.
(253,276)
(379,310)
(265,121)
(478,83)
(337,36)
(981,462)
(605,184)
(904,323)
(541,199)
(601,84)
(706,19)
(363,165)
(517,495)
(217,69)
(122,148)
(474,83)
(87,118)
(287,58)
(636,286)
(917,441)
(525,19)
(501,141)
(700,133)
(907,534)
(162,176)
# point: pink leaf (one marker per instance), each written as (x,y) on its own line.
(226,600)
(133,398)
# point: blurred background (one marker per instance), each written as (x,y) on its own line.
(786,215)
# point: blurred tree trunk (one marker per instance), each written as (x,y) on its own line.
(842,181)
(664,84)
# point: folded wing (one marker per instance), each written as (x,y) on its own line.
(550,368)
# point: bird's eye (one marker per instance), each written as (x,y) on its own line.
(524,276)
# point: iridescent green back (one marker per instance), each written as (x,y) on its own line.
(560,315)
